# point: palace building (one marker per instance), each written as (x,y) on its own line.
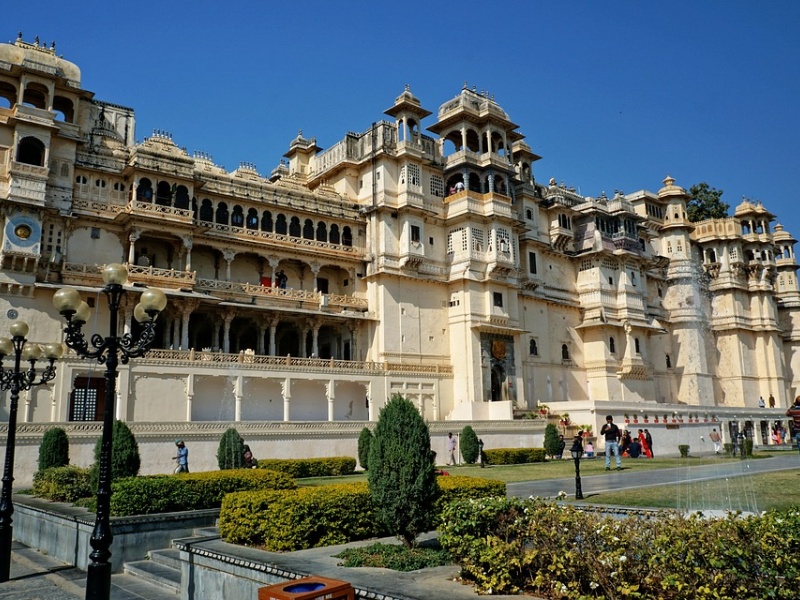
(421,256)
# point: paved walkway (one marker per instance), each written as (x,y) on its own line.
(35,576)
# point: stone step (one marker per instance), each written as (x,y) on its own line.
(126,586)
(166,577)
(169,557)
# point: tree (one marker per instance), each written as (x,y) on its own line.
(551,441)
(469,445)
(54,451)
(705,203)
(125,459)
(401,475)
(230,453)
(364,442)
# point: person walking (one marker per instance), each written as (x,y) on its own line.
(451,448)
(715,438)
(794,414)
(612,434)
(182,458)
(642,437)
(649,439)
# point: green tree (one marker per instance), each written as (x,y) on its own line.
(364,442)
(469,445)
(54,451)
(125,459)
(551,443)
(705,203)
(401,476)
(230,453)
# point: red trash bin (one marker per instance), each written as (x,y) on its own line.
(308,588)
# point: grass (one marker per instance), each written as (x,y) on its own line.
(395,557)
(552,469)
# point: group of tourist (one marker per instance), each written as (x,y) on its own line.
(620,443)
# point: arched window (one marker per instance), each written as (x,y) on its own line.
(612,346)
(182,197)
(8,95)
(35,95)
(308,229)
(334,239)
(144,191)
(164,194)
(64,108)
(564,352)
(222,213)
(237,218)
(280,224)
(266,221)
(252,219)
(347,237)
(30,151)
(206,210)
(294,227)
(322,232)
(533,348)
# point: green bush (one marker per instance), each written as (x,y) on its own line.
(514,456)
(728,448)
(325,515)
(748,447)
(684,450)
(394,557)
(551,441)
(189,491)
(556,551)
(54,451)
(63,484)
(469,445)
(364,442)
(310,467)
(125,459)
(402,478)
(230,453)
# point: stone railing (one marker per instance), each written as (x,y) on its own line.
(138,207)
(160,276)
(346,301)
(99,206)
(282,238)
(248,360)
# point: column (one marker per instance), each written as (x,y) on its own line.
(315,268)
(228,255)
(237,396)
(370,403)
(286,392)
(187,244)
(134,235)
(303,338)
(273,327)
(189,396)
(330,393)
(226,331)
(315,341)
(262,331)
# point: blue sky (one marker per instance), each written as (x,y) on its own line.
(612,95)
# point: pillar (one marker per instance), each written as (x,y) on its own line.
(330,392)
(226,332)
(187,244)
(273,327)
(132,246)
(286,392)
(238,386)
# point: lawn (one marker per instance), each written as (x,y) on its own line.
(552,469)
(752,493)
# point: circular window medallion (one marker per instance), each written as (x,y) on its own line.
(23,231)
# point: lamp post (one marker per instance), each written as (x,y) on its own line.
(17,380)
(577,452)
(109,350)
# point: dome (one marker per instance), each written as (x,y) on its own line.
(19,51)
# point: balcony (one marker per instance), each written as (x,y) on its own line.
(24,183)
(159,212)
(83,274)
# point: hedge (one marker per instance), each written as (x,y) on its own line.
(310,467)
(508,546)
(189,491)
(323,515)
(514,456)
(62,484)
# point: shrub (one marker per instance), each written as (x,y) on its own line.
(469,445)
(402,478)
(311,467)
(324,515)
(394,557)
(514,456)
(54,450)
(556,551)
(728,448)
(230,453)
(551,441)
(189,491)
(125,459)
(364,442)
(748,447)
(63,484)
(684,450)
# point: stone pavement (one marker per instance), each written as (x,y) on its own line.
(35,576)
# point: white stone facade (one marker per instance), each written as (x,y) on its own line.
(435,266)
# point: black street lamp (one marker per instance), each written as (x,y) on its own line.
(18,380)
(109,350)
(577,452)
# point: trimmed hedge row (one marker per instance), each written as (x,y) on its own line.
(189,491)
(310,467)
(323,515)
(63,484)
(514,456)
